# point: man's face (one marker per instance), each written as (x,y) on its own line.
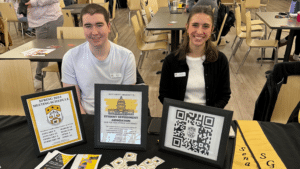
(96,29)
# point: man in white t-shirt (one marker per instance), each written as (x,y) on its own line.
(96,61)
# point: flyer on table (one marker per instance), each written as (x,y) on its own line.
(55,160)
(121,117)
(54,120)
(86,161)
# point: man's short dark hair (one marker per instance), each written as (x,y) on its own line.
(93,9)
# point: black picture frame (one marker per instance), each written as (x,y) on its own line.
(62,126)
(109,91)
(184,123)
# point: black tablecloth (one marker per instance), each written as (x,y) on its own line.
(16,148)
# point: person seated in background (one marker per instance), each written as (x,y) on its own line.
(44,16)
(197,72)
(30,31)
(213,3)
(96,61)
(294,8)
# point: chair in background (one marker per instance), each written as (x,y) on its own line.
(70,33)
(220,32)
(68,19)
(16,81)
(162,3)
(252,4)
(63,33)
(230,3)
(133,5)
(153,4)
(265,5)
(147,39)
(145,48)
(148,14)
(243,11)
(255,43)
(111,20)
(82,1)
(143,4)
(116,38)
(8,12)
(287,100)
(62,4)
(242,35)
(255,24)
(5,36)
(106,5)
(98,1)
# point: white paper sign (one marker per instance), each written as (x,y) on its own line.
(194,132)
(121,117)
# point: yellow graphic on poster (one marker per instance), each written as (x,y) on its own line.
(54,115)
(121,115)
(121,106)
(88,162)
(54,120)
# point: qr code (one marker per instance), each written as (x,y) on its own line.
(193,131)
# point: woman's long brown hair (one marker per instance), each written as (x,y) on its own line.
(211,51)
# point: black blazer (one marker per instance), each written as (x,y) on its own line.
(216,77)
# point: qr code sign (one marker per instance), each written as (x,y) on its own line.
(193,131)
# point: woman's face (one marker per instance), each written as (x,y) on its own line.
(199,29)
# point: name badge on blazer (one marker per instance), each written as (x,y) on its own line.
(115,75)
(181,74)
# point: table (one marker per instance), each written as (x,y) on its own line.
(163,20)
(55,56)
(280,23)
(16,150)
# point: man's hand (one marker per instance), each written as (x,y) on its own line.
(29,4)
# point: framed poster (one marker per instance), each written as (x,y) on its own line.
(196,131)
(121,114)
(54,119)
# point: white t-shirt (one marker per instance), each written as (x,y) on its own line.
(80,67)
(195,88)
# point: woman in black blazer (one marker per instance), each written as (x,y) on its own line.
(197,72)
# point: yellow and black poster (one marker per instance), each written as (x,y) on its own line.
(54,120)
